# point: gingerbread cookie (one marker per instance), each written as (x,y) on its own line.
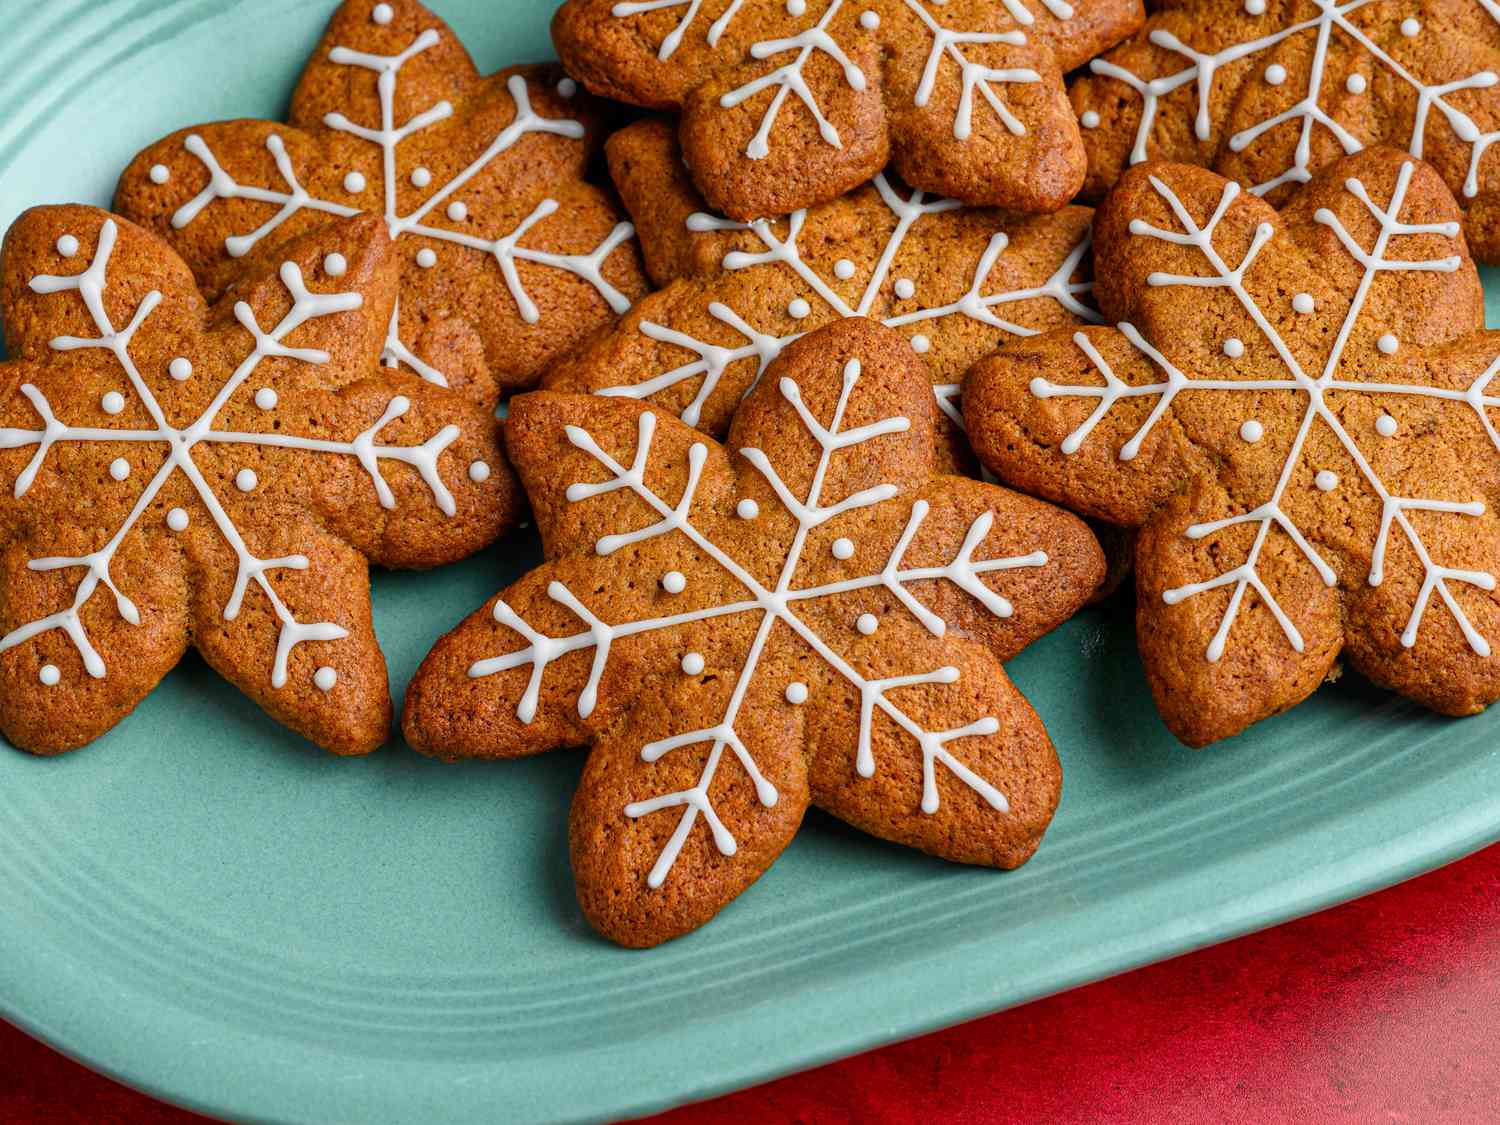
(1269,91)
(181,474)
(508,257)
(955,281)
(786,103)
(1297,410)
(813,618)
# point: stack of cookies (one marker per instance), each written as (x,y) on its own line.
(831,339)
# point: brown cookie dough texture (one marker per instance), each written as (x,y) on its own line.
(1297,410)
(174,473)
(1267,92)
(954,281)
(508,257)
(789,103)
(806,615)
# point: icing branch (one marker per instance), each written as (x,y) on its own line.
(973,75)
(777,604)
(673,40)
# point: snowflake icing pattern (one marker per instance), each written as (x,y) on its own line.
(782,250)
(1438,578)
(91,285)
(507,250)
(774,605)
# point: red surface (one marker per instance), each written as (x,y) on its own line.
(1383,1009)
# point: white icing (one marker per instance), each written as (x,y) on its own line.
(181,369)
(843,548)
(335,264)
(246,480)
(67,245)
(265,398)
(843,269)
(1234,347)
(112,402)
(674,582)
(796,7)
(458,211)
(692,663)
(1270,515)
(782,250)
(567,88)
(1304,303)
(426,257)
(798,308)
(49,675)
(747,509)
(1388,343)
(179,444)
(776,604)
(506,250)
(1275,74)
(119,468)
(867,624)
(1354,34)
(1326,480)
(479,471)
(160,173)
(1252,431)
(325,678)
(1089,119)
(382,14)
(796,693)
(869,19)
(920,344)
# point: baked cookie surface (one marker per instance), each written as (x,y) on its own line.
(1296,409)
(789,103)
(508,256)
(809,615)
(177,474)
(1267,92)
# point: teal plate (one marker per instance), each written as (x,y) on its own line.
(205,907)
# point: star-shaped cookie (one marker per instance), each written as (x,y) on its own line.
(808,615)
(789,103)
(177,474)
(508,256)
(1296,408)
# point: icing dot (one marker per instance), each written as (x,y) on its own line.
(1326,481)
(112,403)
(479,471)
(1385,426)
(119,468)
(1388,343)
(325,677)
(246,480)
(797,308)
(67,246)
(457,211)
(1355,83)
(177,519)
(1255,7)
(843,548)
(159,173)
(180,369)
(796,692)
(1410,26)
(265,398)
(567,88)
(796,7)
(906,288)
(1275,74)
(843,269)
(1252,431)
(920,343)
(420,177)
(1303,303)
(382,14)
(692,663)
(867,623)
(1234,347)
(426,258)
(354,182)
(49,674)
(673,582)
(1089,119)
(747,509)
(869,20)
(335,265)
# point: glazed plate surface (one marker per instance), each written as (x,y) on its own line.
(207,908)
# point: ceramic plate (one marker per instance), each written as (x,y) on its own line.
(207,908)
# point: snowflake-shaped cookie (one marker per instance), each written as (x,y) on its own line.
(508,257)
(815,617)
(954,280)
(1269,91)
(789,103)
(1297,410)
(176,474)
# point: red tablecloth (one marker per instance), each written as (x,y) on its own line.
(1383,1009)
